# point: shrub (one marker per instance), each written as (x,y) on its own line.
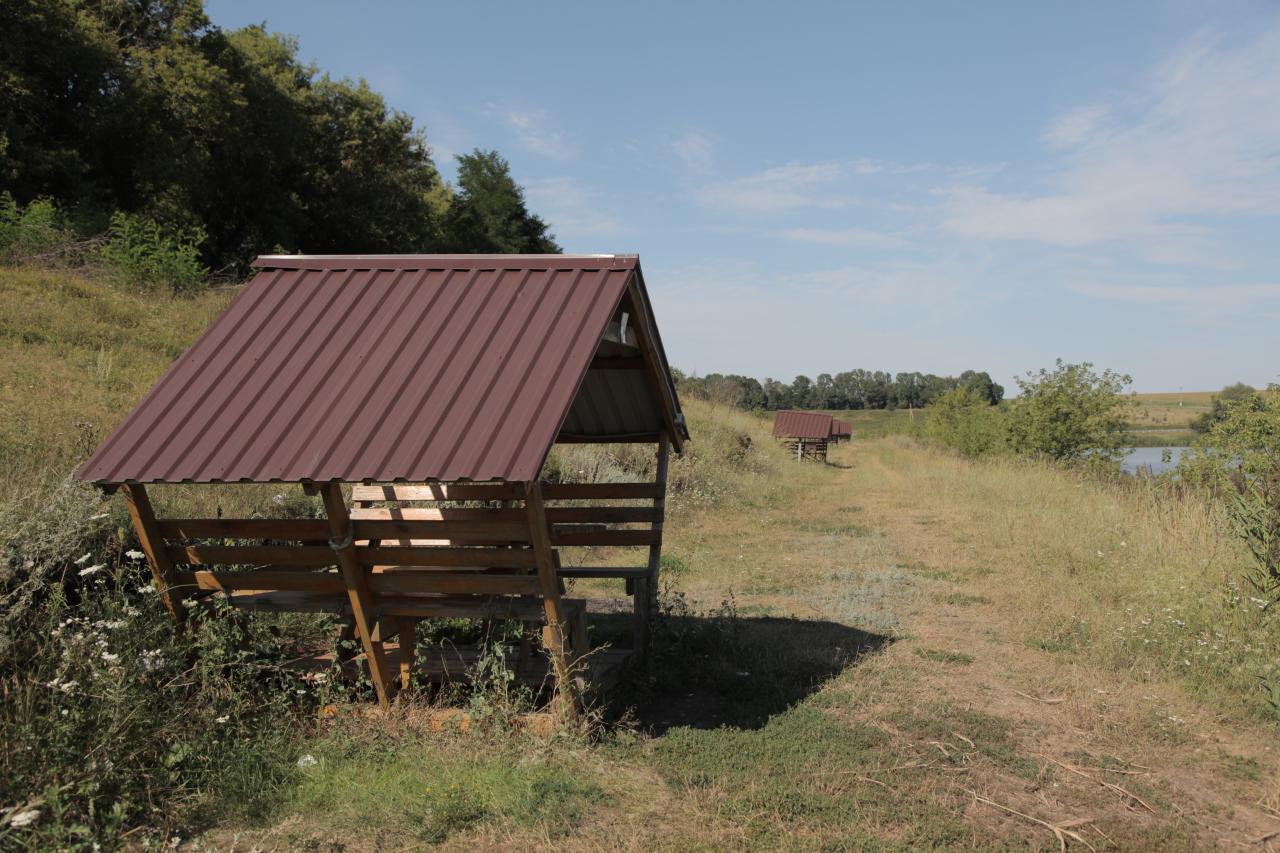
(141,252)
(1240,457)
(964,421)
(1070,414)
(29,232)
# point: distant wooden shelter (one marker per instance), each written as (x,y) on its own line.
(841,430)
(805,434)
(419,397)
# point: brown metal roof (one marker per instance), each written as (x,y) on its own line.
(839,427)
(801,425)
(401,367)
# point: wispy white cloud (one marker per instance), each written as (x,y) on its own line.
(573,211)
(695,150)
(1197,141)
(535,131)
(781,188)
(854,238)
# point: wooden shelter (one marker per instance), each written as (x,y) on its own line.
(419,397)
(841,430)
(805,434)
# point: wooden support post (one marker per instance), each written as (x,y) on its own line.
(646,588)
(554,636)
(163,571)
(362,606)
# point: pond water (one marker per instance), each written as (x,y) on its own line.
(1152,458)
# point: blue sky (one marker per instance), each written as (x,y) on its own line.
(927,186)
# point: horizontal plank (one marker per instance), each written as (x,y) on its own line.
(497,558)
(256,555)
(469,583)
(387,513)
(602,491)
(527,609)
(603,572)
(605,538)
(263,581)
(276,601)
(244,528)
(493,531)
(438,492)
(602,514)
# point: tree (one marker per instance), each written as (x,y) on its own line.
(1070,414)
(1223,401)
(965,421)
(488,213)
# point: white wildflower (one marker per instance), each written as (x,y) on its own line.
(278,500)
(307,760)
(222,719)
(146,589)
(25,818)
(83,560)
(110,658)
(92,570)
(134,554)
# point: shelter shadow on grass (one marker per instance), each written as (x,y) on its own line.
(722,669)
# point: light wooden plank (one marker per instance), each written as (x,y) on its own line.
(384,513)
(436,492)
(497,558)
(493,531)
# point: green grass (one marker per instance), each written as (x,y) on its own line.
(425,790)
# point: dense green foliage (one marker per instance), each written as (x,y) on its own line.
(852,389)
(1240,457)
(150,109)
(966,422)
(1070,414)
(1224,400)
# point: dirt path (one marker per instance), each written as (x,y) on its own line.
(1019,739)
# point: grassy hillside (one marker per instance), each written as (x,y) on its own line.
(898,650)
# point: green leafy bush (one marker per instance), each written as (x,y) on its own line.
(28,232)
(966,422)
(142,252)
(1070,414)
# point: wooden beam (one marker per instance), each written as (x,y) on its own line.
(317,556)
(651,358)
(361,597)
(283,581)
(396,582)
(163,572)
(540,537)
(605,538)
(646,588)
(425,555)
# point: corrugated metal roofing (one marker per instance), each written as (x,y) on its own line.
(383,368)
(801,425)
(841,428)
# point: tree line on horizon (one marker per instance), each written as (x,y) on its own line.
(851,389)
(227,140)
